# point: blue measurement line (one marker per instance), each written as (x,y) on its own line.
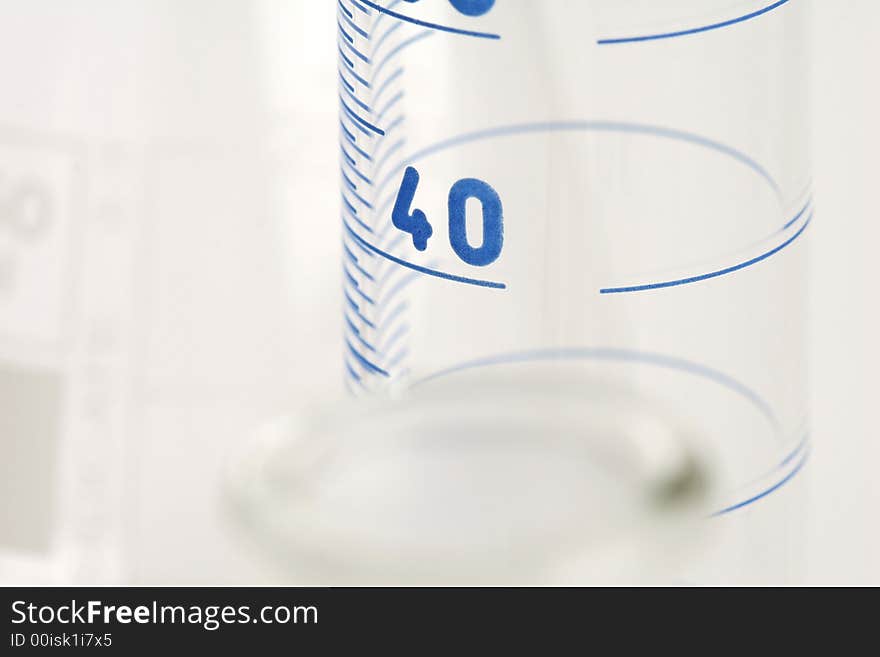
(345,9)
(387,229)
(357,288)
(433,26)
(596,126)
(362,152)
(366,345)
(694,30)
(390,246)
(348,204)
(354,26)
(363,225)
(348,158)
(389,272)
(357,334)
(353,215)
(714,274)
(613,354)
(383,272)
(348,85)
(348,252)
(383,15)
(772,489)
(364,361)
(399,47)
(396,99)
(382,39)
(351,371)
(362,294)
(347,132)
(351,325)
(347,180)
(359,120)
(360,198)
(392,175)
(386,322)
(345,57)
(384,86)
(382,160)
(347,36)
(357,310)
(357,126)
(394,362)
(794,220)
(364,319)
(384,233)
(357,53)
(357,77)
(402,284)
(797,450)
(358,173)
(399,165)
(351,302)
(363,272)
(360,7)
(350,278)
(383,209)
(424,270)
(773,470)
(379,147)
(399,333)
(397,239)
(396,122)
(358,101)
(363,249)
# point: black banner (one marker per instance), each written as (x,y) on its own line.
(148,620)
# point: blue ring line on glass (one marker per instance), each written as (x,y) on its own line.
(800,220)
(779,474)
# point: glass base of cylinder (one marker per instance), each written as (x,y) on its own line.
(487,481)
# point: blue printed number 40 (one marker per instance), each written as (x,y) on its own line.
(415,222)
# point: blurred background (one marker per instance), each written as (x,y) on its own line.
(169,277)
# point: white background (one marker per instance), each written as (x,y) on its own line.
(843,543)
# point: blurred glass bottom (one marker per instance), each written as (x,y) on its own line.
(484,480)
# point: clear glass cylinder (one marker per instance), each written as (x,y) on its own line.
(613,193)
